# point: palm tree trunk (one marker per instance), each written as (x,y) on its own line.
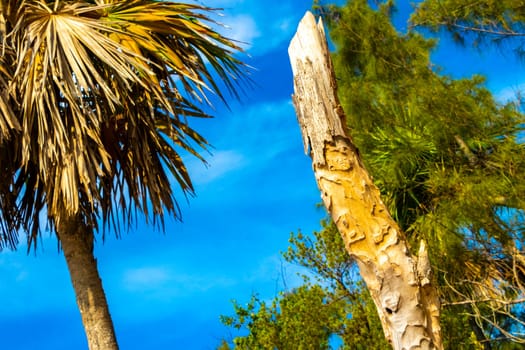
(399,283)
(76,240)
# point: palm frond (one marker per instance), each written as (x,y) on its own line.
(98,96)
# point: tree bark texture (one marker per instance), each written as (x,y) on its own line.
(399,283)
(77,241)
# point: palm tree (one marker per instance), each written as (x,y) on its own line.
(95,97)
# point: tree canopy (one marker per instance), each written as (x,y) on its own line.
(446,156)
(474,21)
(331,306)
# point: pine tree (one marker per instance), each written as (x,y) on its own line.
(475,22)
(446,156)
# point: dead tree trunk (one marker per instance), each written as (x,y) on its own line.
(399,283)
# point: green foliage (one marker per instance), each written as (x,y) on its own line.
(446,156)
(475,20)
(224,345)
(341,302)
(456,330)
(328,263)
(322,255)
(335,305)
(300,319)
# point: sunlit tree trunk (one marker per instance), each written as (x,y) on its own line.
(400,284)
(76,240)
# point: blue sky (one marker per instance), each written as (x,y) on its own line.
(166,291)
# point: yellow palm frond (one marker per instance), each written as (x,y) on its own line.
(95,102)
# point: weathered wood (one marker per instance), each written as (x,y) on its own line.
(400,286)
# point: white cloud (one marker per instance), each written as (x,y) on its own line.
(219,164)
(232,22)
(285,24)
(9,266)
(264,130)
(162,282)
(250,144)
(241,28)
(510,94)
(145,278)
(250,22)
(274,268)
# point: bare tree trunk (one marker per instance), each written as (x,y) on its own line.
(76,240)
(400,284)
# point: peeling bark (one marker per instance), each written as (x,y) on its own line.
(77,243)
(400,284)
